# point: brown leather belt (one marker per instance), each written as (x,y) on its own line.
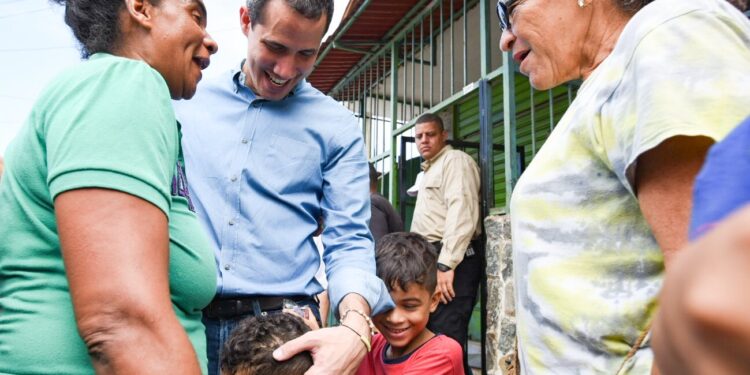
(231,307)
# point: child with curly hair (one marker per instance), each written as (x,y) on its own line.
(250,346)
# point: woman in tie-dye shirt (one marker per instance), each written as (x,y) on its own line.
(605,203)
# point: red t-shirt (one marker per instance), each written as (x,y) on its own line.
(440,355)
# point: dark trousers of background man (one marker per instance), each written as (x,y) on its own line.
(452,319)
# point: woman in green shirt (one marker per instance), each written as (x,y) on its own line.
(104,265)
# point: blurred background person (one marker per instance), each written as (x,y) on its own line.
(703,326)
(104,265)
(384,218)
(605,204)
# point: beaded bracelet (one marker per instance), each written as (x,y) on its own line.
(364,316)
(362,338)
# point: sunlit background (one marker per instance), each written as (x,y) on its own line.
(35,45)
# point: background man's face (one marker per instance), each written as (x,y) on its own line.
(281,51)
(430,139)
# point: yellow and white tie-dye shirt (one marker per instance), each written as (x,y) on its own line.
(587,267)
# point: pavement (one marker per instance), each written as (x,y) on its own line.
(475,357)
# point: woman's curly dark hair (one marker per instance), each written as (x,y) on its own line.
(95,23)
(249,349)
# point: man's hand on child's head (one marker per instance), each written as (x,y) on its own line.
(335,350)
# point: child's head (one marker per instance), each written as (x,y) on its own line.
(407,263)
(249,350)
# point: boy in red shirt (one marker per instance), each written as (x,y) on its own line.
(407,263)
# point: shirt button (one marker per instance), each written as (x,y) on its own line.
(244,141)
(226,267)
(231,222)
(234,178)
(256,104)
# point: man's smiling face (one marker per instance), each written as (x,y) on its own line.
(281,49)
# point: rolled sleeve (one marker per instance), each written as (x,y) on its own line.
(349,249)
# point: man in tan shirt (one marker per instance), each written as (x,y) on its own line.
(447,214)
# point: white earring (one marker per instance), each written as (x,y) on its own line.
(581,4)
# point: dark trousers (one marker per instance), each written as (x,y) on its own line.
(452,319)
(218,331)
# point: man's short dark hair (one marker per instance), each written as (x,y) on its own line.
(430,117)
(403,258)
(250,347)
(310,9)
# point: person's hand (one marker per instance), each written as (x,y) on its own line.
(445,285)
(335,350)
(702,326)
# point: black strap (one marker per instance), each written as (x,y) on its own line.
(230,307)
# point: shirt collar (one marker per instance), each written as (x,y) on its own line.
(427,163)
(239,78)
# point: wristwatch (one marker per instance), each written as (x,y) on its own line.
(442,267)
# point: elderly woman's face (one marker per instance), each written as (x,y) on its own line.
(546,39)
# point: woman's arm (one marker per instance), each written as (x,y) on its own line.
(664,182)
(116,252)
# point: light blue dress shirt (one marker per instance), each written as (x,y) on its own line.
(260,172)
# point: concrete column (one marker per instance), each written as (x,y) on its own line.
(501,312)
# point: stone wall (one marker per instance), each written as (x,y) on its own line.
(501,313)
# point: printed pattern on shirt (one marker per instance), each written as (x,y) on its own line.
(180,184)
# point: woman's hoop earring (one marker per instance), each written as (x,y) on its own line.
(581,3)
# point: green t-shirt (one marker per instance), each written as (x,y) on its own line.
(107,123)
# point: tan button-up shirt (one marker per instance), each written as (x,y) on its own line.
(447,207)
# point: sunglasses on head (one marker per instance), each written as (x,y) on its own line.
(502,14)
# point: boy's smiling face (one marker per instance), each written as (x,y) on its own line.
(405,327)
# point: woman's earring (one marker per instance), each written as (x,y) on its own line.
(581,3)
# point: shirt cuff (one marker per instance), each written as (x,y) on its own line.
(450,259)
(366,284)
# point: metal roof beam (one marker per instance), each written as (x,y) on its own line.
(343,30)
(347,48)
(363,43)
(396,32)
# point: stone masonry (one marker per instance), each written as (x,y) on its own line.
(501,313)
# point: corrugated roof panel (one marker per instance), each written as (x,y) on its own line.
(371,26)
(366,34)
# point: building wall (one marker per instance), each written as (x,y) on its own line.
(501,314)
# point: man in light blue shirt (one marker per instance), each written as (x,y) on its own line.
(266,155)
